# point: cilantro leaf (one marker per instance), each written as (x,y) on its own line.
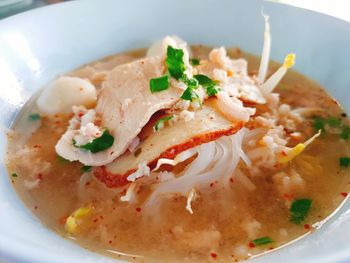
(299,210)
(175,63)
(159,84)
(86,168)
(344,162)
(34,117)
(262,241)
(189,94)
(195,61)
(191,83)
(345,132)
(204,80)
(160,123)
(98,144)
(14,175)
(333,122)
(207,83)
(319,124)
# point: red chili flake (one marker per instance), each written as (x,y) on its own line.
(101,217)
(123,192)
(251,244)
(288,197)
(213,255)
(80,114)
(40,176)
(270,248)
(307,226)
(284,153)
(211,184)
(138,209)
(36,146)
(57,122)
(344,194)
(231,180)
(62,220)
(110,241)
(35,207)
(95,220)
(87,183)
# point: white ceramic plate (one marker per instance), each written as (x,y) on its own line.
(38,45)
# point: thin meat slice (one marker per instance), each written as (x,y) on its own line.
(124,106)
(207,125)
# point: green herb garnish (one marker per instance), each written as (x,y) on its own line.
(212,90)
(204,80)
(160,123)
(159,84)
(207,83)
(98,144)
(189,94)
(345,132)
(333,122)
(262,241)
(299,210)
(195,61)
(14,175)
(86,168)
(175,63)
(34,117)
(344,162)
(191,83)
(319,124)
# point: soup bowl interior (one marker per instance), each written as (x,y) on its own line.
(37,46)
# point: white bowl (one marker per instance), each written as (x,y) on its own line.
(38,45)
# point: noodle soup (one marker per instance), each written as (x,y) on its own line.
(228,167)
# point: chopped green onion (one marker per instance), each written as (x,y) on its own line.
(345,132)
(98,144)
(160,123)
(86,168)
(299,210)
(14,175)
(34,117)
(195,61)
(175,63)
(344,162)
(262,241)
(159,84)
(333,122)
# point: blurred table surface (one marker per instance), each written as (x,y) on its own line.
(337,8)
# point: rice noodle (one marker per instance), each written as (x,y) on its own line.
(178,159)
(216,161)
(265,57)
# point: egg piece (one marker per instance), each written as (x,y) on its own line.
(65,92)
